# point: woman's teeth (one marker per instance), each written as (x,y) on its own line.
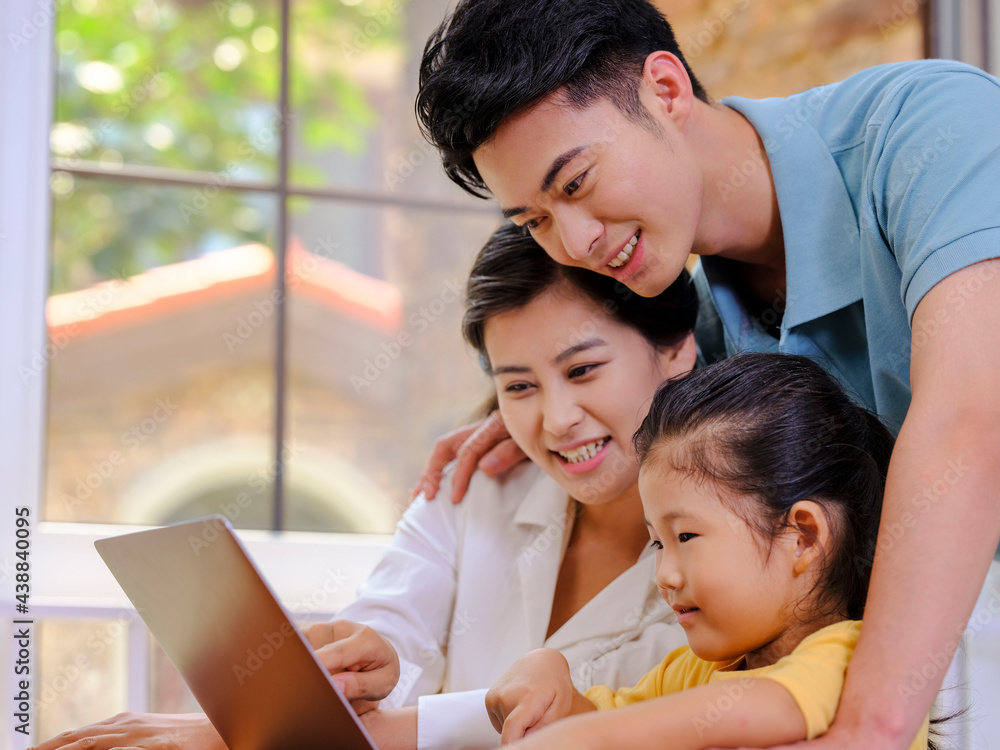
(626,254)
(584,452)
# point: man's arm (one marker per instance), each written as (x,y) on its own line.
(940,520)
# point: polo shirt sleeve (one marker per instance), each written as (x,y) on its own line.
(814,673)
(935,176)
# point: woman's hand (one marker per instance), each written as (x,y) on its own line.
(534,692)
(485,444)
(393,728)
(129,731)
(363,664)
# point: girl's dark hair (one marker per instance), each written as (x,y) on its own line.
(511,270)
(778,428)
(491,59)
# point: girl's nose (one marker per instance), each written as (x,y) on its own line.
(668,575)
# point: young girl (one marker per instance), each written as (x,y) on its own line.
(762,485)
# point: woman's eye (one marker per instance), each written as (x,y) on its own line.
(530,224)
(516,388)
(581,370)
(685,537)
(656,545)
(573,185)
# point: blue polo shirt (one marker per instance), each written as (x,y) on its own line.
(887,182)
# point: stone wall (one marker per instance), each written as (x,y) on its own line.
(759,48)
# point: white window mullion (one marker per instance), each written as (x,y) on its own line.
(26,81)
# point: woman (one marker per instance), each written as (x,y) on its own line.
(552,554)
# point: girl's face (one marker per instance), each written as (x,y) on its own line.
(573,384)
(732,596)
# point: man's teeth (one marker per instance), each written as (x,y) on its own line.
(623,257)
(584,452)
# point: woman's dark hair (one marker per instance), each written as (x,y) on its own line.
(778,428)
(491,59)
(511,270)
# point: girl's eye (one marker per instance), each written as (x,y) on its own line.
(573,185)
(656,545)
(685,537)
(581,370)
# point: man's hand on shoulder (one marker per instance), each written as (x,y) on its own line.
(485,445)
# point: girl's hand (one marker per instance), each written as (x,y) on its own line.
(534,692)
(485,444)
(142,731)
(363,664)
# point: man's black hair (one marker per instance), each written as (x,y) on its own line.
(491,59)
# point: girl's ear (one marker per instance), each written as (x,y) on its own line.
(812,533)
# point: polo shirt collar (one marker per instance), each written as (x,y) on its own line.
(820,227)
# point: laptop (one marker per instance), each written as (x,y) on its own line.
(252,671)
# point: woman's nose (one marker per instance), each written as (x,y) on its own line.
(561,413)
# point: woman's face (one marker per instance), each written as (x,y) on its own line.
(573,384)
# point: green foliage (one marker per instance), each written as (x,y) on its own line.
(194,85)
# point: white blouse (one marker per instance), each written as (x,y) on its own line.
(464,590)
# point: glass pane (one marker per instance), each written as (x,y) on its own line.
(168,693)
(189,85)
(377,366)
(81,672)
(160,355)
(354,79)
(744,48)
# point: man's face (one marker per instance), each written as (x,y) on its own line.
(599,191)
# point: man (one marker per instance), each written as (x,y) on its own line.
(858,224)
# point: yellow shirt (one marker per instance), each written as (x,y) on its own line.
(813,673)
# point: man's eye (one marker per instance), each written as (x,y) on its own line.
(573,185)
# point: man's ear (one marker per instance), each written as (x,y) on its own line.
(812,532)
(680,358)
(666,78)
